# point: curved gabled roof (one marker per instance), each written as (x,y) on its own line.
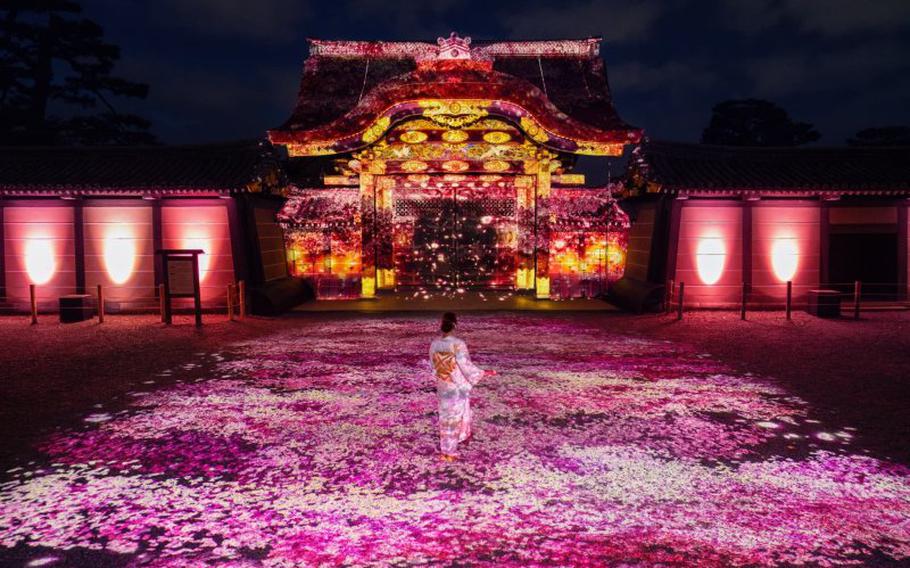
(347,87)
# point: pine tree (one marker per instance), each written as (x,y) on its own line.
(881,136)
(56,82)
(755,122)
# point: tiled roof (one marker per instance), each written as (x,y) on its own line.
(678,167)
(331,85)
(219,168)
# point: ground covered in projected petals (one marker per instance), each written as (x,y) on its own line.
(316,446)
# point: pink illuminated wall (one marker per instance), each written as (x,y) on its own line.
(205,227)
(119,253)
(785,244)
(40,250)
(709,253)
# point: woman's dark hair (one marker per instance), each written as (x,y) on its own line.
(449,320)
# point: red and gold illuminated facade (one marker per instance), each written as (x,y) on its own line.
(448,173)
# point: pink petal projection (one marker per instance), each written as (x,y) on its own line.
(590,448)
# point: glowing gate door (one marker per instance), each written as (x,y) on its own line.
(451,235)
(423,229)
(486,236)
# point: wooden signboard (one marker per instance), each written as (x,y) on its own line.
(181,280)
(180,276)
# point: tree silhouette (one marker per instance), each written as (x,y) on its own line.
(56,85)
(755,122)
(882,136)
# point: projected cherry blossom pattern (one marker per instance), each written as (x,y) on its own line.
(317,447)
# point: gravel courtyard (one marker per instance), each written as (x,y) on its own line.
(311,441)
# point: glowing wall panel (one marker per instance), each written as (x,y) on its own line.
(191,226)
(785,241)
(40,250)
(714,277)
(120,253)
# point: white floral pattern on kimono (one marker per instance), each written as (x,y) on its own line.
(455,377)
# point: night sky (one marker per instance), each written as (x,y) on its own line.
(229,69)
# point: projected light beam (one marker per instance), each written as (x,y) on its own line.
(785,258)
(40,260)
(710,258)
(119,255)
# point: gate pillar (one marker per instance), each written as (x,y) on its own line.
(542,233)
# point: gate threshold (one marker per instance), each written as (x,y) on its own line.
(470,301)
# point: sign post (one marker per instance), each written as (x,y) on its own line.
(181,280)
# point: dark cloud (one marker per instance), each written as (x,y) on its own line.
(676,75)
(260,20)
(198,102)
(615,20)
(850,68)
(404,17)
(826,17)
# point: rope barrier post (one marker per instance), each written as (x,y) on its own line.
(33,299)
(100,304)
(241,292)
(230,301)
(679,305)
(857,292)
(789,299)
(745,298)
(668,297)
(161,303)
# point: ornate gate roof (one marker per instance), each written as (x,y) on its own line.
(555,91)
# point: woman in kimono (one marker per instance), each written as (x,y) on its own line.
(455,377)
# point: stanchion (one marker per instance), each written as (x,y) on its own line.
(230,302)
(745,298)
(679,304)
(33,298)
(668,297)
(789,298)
(161,303)
(241,292)
(857,292)
(100,304)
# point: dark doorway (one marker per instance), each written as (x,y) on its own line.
(870,258)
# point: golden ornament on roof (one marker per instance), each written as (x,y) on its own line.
(414,166)
(378,128)
(533,130)
(455,166)
(496,165)
(413,137)
(497,137)
(454,114)
(454,136)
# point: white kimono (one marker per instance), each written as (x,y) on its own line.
(455,377)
